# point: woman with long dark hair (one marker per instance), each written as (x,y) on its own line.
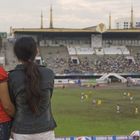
(31,88)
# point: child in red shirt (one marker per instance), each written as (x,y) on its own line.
(6,107)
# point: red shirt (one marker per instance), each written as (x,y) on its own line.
(3,115)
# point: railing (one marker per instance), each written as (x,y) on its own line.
(97,138)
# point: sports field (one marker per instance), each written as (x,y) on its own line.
(96,112)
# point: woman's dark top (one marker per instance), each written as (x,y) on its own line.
(25,122)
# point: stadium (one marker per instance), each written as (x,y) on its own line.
(97,78)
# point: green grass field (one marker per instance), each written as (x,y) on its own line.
(76,118)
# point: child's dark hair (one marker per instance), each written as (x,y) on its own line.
(25,49)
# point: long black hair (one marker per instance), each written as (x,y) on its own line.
(25,49)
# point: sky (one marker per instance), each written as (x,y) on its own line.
(66,13)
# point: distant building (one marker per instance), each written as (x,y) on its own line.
(125,23)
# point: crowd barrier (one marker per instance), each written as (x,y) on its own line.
(98,138)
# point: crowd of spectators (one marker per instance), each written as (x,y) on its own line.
(61,62)
(117,64)
(101,64)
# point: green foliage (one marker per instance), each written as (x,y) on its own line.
(76,117)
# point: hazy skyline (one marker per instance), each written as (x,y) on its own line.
(66,13)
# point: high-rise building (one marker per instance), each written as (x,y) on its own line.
(125,23)
(129,22)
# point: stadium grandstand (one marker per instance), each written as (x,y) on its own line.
(87,50)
